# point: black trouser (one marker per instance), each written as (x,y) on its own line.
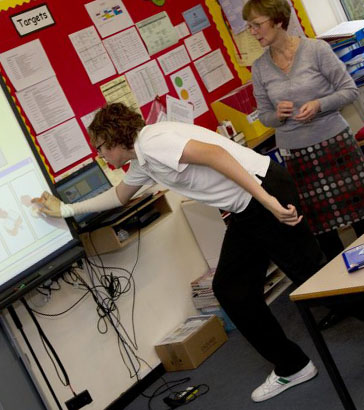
(253,238)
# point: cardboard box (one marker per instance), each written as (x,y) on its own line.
(191,343)
(221,314)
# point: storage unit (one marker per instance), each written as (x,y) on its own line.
(110,238)
(208,226)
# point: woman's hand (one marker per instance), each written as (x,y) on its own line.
(284,110)
(308,111)
(287,215)
(48,204)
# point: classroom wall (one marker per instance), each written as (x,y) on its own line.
(315,11)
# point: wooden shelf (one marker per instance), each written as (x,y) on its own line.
(106,239)
(277,290)
(271,268)
(273,280)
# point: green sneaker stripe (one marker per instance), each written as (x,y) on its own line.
(281,380)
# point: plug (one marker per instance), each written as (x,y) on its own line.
(79,401)
(182,397)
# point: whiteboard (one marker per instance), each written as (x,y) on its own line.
(26,238)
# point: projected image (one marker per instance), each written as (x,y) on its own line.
(11,221)
(15,232)
(25,187)
(26,238)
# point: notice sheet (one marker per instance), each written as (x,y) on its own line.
(174,60)
(45,104)
(179,110)
(147,82)
(26,65)
(92,54)
(157,32)
(126,50)
(64,145)
(118,90)
(197,45)
(213,70)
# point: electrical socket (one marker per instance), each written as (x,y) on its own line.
(79,401)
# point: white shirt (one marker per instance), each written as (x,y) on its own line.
(159,148)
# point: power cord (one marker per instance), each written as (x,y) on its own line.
(164,387)
(177,398)
(181,398)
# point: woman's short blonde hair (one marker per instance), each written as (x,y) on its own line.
(279,11)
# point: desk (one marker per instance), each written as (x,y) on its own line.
(332,280)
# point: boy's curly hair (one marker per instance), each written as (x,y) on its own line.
(116,124)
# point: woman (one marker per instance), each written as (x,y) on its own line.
(265,223)
(300,85)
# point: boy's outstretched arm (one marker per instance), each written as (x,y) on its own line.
(116,196)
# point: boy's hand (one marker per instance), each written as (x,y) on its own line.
(48,204)
(287,215)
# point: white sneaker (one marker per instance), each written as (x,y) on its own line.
(275,384)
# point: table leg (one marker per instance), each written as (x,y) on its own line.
(326,357)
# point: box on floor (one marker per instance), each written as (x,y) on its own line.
(191,343)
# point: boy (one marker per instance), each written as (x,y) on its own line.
(265,225)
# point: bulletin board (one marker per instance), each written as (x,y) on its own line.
(5,4)
(83,96)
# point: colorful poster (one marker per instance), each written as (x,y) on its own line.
(109,16)
(188,90)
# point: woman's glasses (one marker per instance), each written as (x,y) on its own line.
(257,26)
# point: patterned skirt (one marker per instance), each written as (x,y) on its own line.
(330,180)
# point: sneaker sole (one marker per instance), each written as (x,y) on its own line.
(299,380)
